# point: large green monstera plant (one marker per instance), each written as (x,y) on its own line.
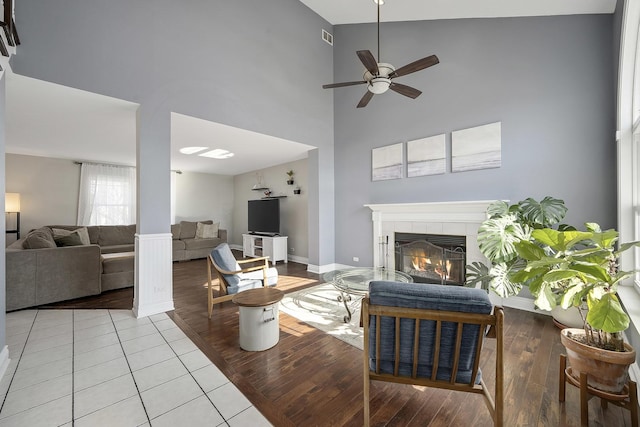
(562,267)
(505,226)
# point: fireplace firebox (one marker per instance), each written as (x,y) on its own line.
(431,258)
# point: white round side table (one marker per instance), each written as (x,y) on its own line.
(259,318)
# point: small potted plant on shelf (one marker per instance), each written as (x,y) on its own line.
(290,180)
(562,267)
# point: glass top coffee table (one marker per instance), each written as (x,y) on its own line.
(355,281)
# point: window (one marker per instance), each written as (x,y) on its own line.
(629,134)
(107,195)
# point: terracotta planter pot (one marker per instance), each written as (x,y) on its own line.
(606,370)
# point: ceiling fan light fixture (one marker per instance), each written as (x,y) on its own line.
(380,2)
(379,85)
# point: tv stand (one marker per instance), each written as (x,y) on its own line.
(255,245)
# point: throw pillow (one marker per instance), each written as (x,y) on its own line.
(77,237)
(207,231)
(39,239)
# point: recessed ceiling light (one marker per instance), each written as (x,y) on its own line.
(218,153)
(192,150)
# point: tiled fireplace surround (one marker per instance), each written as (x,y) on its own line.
(452,218)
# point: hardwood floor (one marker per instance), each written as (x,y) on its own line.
(310,378)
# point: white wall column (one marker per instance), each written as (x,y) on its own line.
(4,350)
(153,288)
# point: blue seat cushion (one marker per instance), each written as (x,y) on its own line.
(244,285)
(431,297)
(224,258)
(272,275)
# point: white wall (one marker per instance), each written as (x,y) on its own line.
(293,208)
(49,193)
(48,190)
(202,196)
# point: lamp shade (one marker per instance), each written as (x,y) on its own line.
(12,202)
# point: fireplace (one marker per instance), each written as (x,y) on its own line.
(431,258)
(460,219)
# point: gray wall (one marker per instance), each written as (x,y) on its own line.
(49,193)
(251,64)
(202,196)
(293,208)
(549,80)
(48,190)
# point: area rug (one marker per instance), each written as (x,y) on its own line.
(318,306)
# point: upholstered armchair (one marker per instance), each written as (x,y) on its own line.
(234,277)
(431,335)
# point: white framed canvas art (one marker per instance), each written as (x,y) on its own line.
(387,162)
(426,156)
(477,148)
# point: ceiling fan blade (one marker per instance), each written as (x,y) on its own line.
(369,61)
(365,99)
(405,90)
(332,85)
(418,65)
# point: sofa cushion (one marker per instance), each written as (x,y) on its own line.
(191,244)
(17,245)
(39,239)
(207,231)
(117,248)
(175,231)
(178,245)
(118,263)
(110,235)
(188,228)
(79,236)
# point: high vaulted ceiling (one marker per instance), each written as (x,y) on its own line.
(358,11)
(44,119)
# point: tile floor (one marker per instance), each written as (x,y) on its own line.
(107,368)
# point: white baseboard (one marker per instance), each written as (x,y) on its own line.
(321,269)
(519,303)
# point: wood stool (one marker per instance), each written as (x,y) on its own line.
(628,399)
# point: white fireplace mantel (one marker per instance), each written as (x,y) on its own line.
(454,218)
(451,218)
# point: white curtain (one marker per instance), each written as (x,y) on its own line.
(107,195)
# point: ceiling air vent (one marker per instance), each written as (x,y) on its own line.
(326,36)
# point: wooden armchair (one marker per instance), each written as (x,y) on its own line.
(431,335)
(233,278)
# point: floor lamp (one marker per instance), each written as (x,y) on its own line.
(12,205)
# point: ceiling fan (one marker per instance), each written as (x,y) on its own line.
(379,75)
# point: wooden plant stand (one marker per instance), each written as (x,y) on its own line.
(628,399)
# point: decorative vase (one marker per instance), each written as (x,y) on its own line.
(606,370)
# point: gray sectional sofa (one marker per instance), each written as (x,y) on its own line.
(60,262)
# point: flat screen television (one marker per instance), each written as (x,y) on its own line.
(264,216)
